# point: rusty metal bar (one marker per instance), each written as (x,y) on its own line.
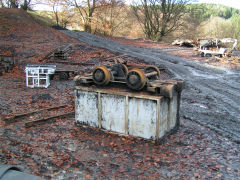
(43,120)
(151,74)
(13,118)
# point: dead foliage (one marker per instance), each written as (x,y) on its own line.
(64,150)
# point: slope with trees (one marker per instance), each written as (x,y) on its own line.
(159,17)
(23,4)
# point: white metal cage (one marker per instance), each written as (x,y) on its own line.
(39,75)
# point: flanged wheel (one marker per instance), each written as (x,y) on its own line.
(63,75)
(136,79)
(150,69)
(101,75)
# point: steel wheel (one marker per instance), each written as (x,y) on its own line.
(136,79)
(150,69)
(101,75)
(63,75)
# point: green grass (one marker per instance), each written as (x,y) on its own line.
(42,17)
(5,27)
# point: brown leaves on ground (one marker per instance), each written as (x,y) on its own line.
(64,150)
(29,42)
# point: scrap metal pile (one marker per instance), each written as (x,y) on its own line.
(217,47)
(136,77)
(6,63)
(58,54)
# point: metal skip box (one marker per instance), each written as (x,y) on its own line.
(146,116)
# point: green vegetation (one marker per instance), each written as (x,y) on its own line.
(210,21)
(5,27)
(43,17)
(197,21)
(205,11)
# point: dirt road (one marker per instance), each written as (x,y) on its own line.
(211,96)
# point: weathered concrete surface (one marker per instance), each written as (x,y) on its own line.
(113,112)
(211,96)
(142,117)
(146,116)
(86,108)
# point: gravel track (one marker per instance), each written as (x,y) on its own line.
(211,96)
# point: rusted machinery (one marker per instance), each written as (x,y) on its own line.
(148,108)
(6,63)
(146,79)
(217,47)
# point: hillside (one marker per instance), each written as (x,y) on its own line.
(30,41)
(26,38)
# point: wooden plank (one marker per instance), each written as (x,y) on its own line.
(16,117)
(50,54)
(47,119)
(72,63)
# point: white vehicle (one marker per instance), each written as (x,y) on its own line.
(216,47)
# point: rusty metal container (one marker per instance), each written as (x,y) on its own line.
(143,115)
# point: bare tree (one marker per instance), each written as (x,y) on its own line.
(159,17)
(62,13)
(2,4)
(55,6)
(23,4)
(26,4)
(13,3)
(85,8)
(110,16)
(65,16)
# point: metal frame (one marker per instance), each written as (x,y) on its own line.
(38,75)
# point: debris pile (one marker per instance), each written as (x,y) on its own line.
(61,53)
(7,62)
(216,47)
(233,60)
(184,42)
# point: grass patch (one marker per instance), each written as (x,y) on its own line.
(42,17)
(5,27)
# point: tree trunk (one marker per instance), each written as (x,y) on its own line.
(1,4)
(55,11)
(25,5)
(87,27)
(13,4)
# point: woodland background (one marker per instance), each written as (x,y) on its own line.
(118,19)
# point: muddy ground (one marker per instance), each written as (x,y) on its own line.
(211,96)
(63,150)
